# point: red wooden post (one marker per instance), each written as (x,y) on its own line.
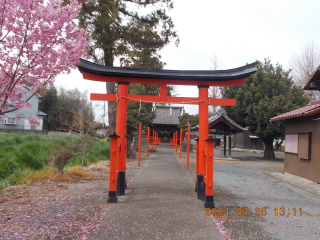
(203,134)
(197,161)
(174,140)
(139,146)
(125,156)
(121,130)
(180,141)
(148,137)
(112,195)
(188,146)
(152,139)
(208,201)
(125,141)
(177,135)
(157,139)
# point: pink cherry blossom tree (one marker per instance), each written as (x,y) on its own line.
(39,39)
(33,121)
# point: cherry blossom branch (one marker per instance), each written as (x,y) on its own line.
(38,41)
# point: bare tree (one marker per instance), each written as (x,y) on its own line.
(214,92)
(61,156)
(303,65)
(84,125)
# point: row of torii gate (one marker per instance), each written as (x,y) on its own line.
(203,79)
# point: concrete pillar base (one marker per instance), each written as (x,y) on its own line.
(121,183)
(112,197)
(209,202)
(203,191)
(199,189)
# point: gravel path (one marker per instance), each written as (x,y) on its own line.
(160,203)
(257,185)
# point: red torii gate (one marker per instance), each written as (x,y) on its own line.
(203,79)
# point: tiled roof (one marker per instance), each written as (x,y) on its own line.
(312,108)
(166,116)
(218,116)
(314,102)
(221,113)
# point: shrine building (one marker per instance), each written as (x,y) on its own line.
(166,121)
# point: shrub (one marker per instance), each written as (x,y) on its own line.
(61,155)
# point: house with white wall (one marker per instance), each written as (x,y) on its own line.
(21,124)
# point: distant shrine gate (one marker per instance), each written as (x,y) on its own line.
(203,79)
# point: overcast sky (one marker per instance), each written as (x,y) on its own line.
(237,32)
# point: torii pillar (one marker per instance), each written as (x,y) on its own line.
(121,126)
(203,134)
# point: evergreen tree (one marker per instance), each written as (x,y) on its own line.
(47,105)
(267,93)
(193,121)
(118,31)
(137,113)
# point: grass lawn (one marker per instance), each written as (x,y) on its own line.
(21,155)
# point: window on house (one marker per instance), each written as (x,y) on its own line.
(291,143)
(304,146)
(11,120)
(299,144)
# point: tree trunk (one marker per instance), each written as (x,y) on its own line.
(111,89)
(278,144)
(132,146)
(268,148)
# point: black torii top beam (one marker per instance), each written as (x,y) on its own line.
(230,77)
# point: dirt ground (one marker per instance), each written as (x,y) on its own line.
(58,210)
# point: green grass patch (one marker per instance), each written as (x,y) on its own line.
(22,155)
(99,150)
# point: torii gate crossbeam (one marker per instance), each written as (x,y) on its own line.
(202,79)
